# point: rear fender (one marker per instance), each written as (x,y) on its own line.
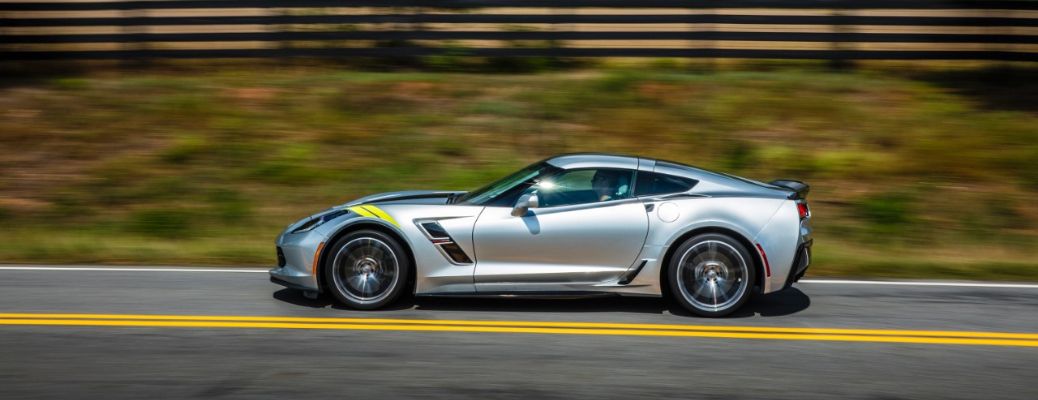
(744,217)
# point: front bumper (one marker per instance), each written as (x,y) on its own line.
(298,255)
(293,280)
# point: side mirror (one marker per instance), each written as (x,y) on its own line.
(525,203)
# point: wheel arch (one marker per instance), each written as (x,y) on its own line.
(375,226)
(758,264)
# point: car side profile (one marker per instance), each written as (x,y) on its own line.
(568,226)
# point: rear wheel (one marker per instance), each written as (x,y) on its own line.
(366,269)
(711,275)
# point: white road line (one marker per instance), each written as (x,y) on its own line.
(921,283)
(259,271)
(131,269)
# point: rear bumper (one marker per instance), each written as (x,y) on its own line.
(800,263)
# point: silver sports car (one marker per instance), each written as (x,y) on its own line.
(572,225)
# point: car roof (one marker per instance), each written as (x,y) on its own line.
(593,160)
(608,160)
(710,181)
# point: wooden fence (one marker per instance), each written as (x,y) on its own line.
(782,29)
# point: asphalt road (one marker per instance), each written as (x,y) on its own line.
(78,360)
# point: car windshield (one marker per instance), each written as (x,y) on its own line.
(488,193)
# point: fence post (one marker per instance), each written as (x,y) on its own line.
(711,42)
(417,26)
(3,31)
(137,36)
(840,25)
(277,31)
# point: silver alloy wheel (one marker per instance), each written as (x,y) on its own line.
(365,270)
(712,275)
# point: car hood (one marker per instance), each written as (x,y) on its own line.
(407,197)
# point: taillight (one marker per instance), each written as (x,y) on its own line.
(802,209)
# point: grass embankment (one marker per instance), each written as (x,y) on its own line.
(910,177)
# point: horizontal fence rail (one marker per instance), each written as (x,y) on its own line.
(462,4)
(781,29)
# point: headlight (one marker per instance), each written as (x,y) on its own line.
(320,219)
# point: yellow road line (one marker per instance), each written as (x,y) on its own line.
(550,324)
(496,329)
(576,328)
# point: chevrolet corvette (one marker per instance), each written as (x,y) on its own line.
(569,226)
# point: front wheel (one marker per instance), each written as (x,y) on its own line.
(711,275)
(366,269)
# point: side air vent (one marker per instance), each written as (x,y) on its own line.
(630,275)
(455,253)
(435,231)
(443,241)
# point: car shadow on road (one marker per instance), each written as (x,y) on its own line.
(295,297)
(786,302)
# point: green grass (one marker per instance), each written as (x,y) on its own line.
(911,176)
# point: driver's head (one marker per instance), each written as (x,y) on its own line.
(605,183)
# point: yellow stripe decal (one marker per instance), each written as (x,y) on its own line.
(381,214)
(559,328)
(362,212)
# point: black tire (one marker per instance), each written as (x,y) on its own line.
(366,269)
(717,277)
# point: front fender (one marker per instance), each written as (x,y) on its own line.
(332,229)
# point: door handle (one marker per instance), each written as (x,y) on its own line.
(649,207)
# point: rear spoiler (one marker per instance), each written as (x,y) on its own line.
(800,188)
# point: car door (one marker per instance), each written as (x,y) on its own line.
(575,237)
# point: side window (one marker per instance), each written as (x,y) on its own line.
(651,184)
(584,186)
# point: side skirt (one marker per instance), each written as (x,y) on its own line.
(537,295)
(526,295)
